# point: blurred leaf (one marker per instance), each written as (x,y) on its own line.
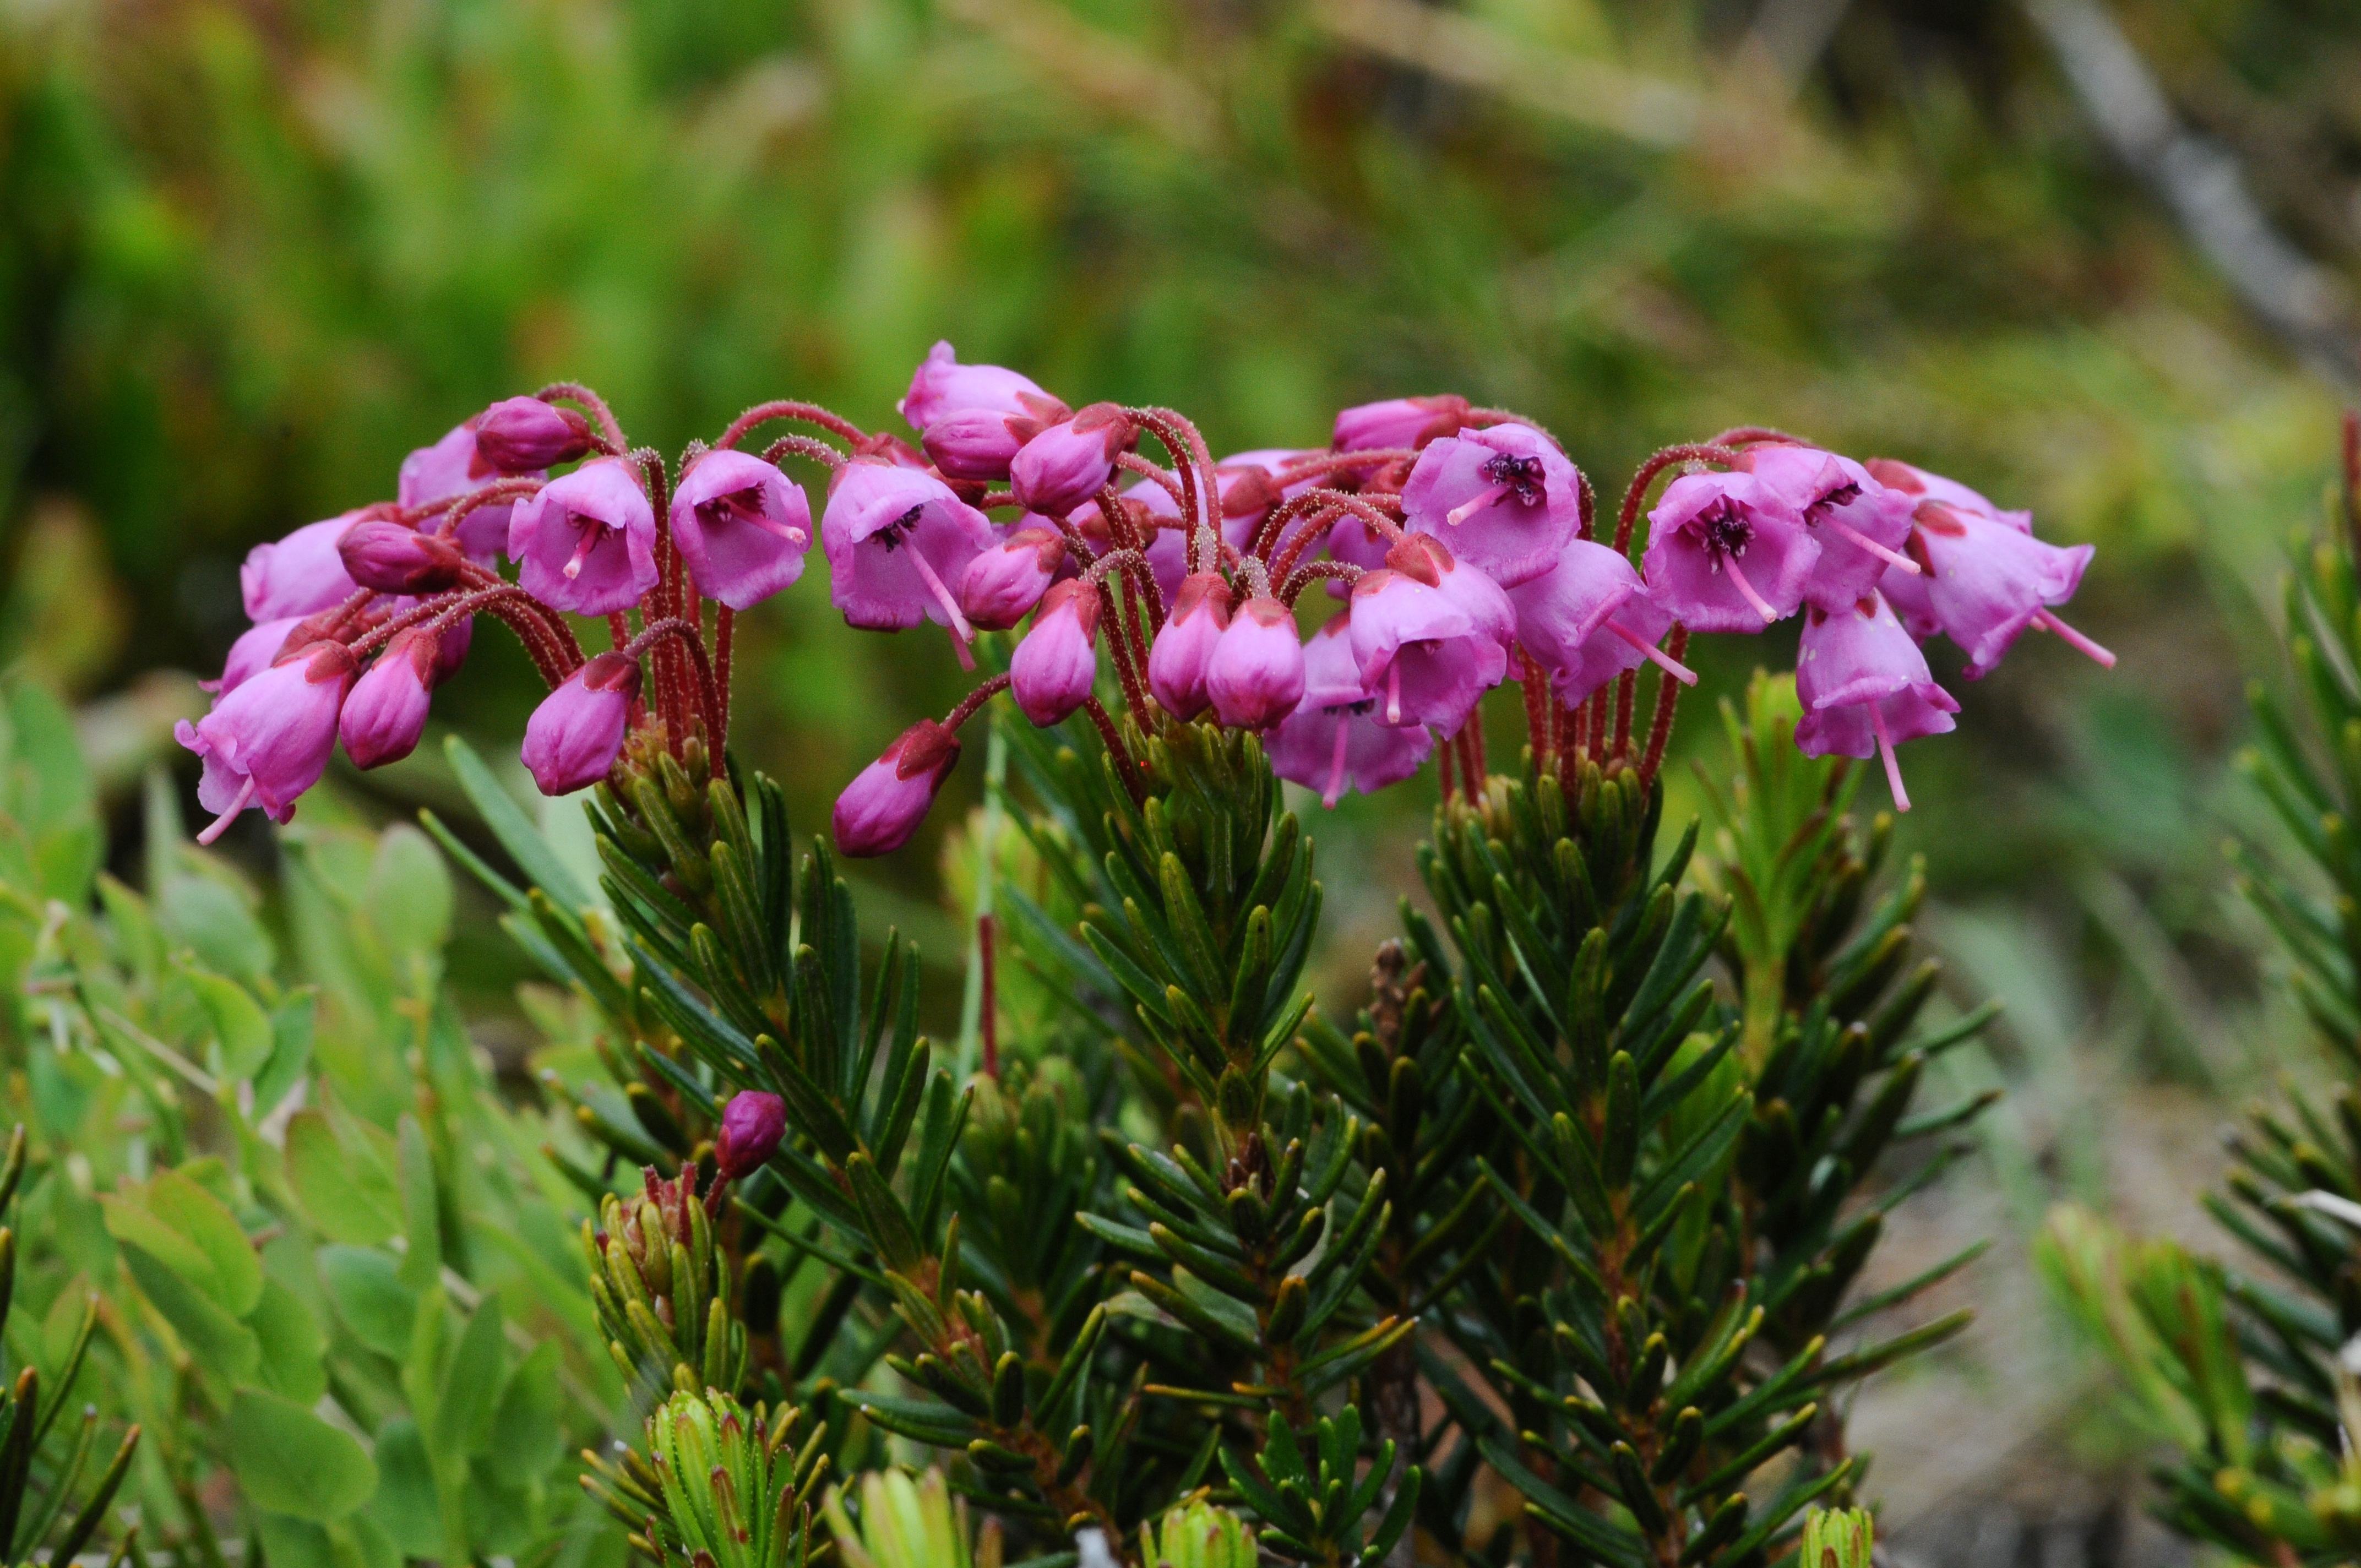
(409,893)
(292,1344)
(350,1199)
(371,1299)
(288,1460)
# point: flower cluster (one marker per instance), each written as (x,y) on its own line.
(1457,543)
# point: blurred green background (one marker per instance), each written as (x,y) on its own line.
(252,253)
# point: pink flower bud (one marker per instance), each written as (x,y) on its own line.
(1399,423)
(1183,652)
(524,435)
(742,526)
(979,443)
(299,575)
(453,466)
(1005,583)
(1256,676)
(1052,670)
(267,742)
(387,710)
(586,542)
(886,801)
(944,386)
(394,558)
(574,737)
(1069,463)
(751,1126)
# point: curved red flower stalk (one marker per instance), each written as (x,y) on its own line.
(786,408)
(612,444)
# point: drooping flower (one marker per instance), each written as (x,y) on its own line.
(574,737)
(980,444)
(252,653)
(386,713)
(1981,582)
(299,575)
(586,543)
(1051,673)
(1921,486)
(1588,619)
(1005,582)
(1505,500)
(1256,676)
(1397,423)
(1334,739)
(751,1125)
(1430,561)
(943,386)
(395,558)
(1425,654)
(1182,654)
(1724,556)
(743,527)
(898,544)
(453,466)
(1860,524)
(886,800)
(526,435)
(1865,688)
(267,742)
(1070,462)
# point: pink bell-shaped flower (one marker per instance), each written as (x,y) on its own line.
(1725,556)
(1423,654)
(1588,619)
(1398,422)
(574,737)
(1921,486)
(267,742)
(1865,688)
(1504,499)
(453,466)
(898,544)
(386,713)
(1182,655)
(526,435)
(886,800)
(743,527)
(1861,525)
(299,575)
(1005,582)
(395,558)
(254,651)
(1070,462)
(1981,582)
(943,386)
(586,543)
(1334,739)
(1051,673)
(1256,676)
(751,1125)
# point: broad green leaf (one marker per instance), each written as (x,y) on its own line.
(347,1197)
(239,1021)
(471,1385)
(292,1344)
(409,893)
(404,1507)
(527,1436)
(213,922)
(289,1543)
(219,1342)
(374,1306)
(292,1022)
(129,1220)
(288,1460)
(198,1217)
(421,1221)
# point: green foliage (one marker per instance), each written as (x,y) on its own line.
(1198,1535)
(2247,1381)
(718,1483)
(907,1523)
(1837,1538)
